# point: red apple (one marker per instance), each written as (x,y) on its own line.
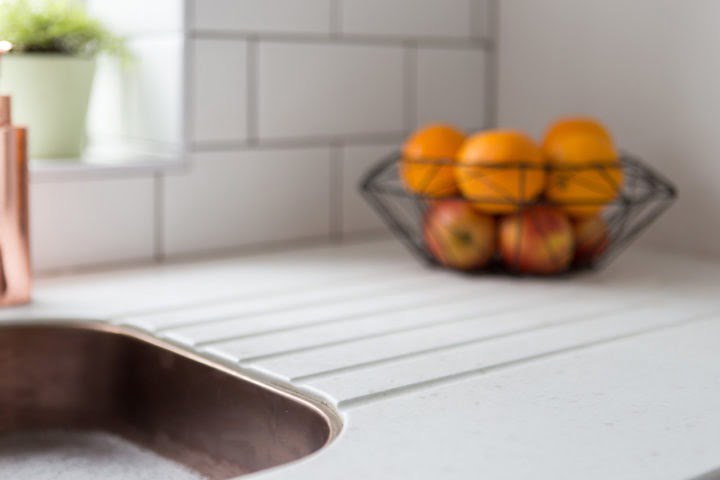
(538,240)
(592,238)
(459,236)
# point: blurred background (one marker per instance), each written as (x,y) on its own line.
(246,124)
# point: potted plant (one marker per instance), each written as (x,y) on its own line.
(50,71)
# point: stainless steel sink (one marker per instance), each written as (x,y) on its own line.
(211,419)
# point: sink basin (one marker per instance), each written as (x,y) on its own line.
(209,418)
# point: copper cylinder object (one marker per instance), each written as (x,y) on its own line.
(15,269)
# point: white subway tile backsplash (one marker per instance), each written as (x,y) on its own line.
(231,199)
(285,16)
(451,86)
(482,13)
(87,222)
(356,215)
(408,18)
(251,85)
(327,90)
(219,90)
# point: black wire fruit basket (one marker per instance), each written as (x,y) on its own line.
(610,206)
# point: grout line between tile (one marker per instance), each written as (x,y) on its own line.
(188,108)
(159,217)
(411,98)
(479,19)
(492,66)
(475,8)
(132,36)
(299,142)
(253,87)
(336,8)
(336,192)
(344,38)
(189,15)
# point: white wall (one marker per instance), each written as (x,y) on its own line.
(281,106)
(649,68)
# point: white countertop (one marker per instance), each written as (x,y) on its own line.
(614,375)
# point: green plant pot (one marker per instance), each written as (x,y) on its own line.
(50,95)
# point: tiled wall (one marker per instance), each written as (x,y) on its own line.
(280,105)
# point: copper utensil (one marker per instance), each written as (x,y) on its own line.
(15,268)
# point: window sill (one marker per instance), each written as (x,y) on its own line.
(105,164)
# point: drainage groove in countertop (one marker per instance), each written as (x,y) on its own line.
(392,374)
(410,388)
(369,336)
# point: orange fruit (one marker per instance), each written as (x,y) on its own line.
(500,170)
(585,173)
(428,159)
(570,126)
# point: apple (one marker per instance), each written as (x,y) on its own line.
(538,240)
(458,236)
(592,238)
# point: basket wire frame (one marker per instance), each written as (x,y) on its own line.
(640,198)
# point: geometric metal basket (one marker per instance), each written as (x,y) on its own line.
(641,198)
